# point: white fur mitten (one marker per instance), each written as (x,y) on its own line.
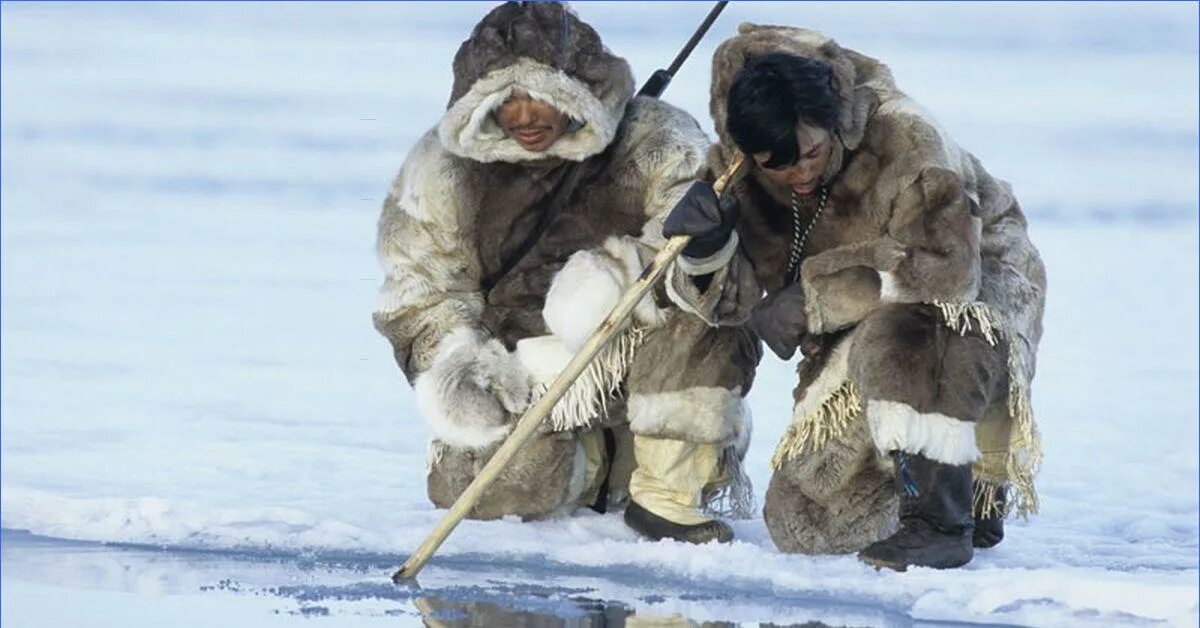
(590,285)
(471,391)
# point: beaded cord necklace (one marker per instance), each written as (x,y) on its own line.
(798,237)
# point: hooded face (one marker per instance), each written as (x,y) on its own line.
(806,175)
(532,83)
(534,124)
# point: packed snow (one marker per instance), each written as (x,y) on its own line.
(187,361)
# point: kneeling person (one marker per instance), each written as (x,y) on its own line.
(903,270)
(511,231)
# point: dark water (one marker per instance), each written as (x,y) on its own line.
(459,591)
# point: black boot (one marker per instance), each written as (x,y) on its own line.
(989,530)
(657,528)
(936,523)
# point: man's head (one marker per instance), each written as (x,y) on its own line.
(782,110)
(534,124)
(525,65)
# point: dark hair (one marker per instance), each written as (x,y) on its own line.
(770,96)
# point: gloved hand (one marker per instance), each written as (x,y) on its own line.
(473,389)
(703,216)
(780,320)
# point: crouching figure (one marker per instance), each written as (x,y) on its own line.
(903,272)
(510,233)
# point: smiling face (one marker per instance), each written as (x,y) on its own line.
(534,125)
(804,176)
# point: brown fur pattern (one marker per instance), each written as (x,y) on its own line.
(911,219)
(534,485)
(836,500)
(457,211)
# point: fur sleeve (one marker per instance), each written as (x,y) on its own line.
(662,154)
(729,294)
(929,253)
(727,298)
(431,277)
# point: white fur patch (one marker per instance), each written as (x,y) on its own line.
(702,414)
(628,251)
(543,356)
(470,390)
(889,288)
(469,130)
(712,263)
(590,285)
(582,294)
(898,426)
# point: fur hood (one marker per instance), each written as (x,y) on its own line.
(861,82)
(546,50)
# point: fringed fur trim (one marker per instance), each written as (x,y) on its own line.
(825,411)
(984,501)
(1024,453)
(589,396)
(959,317)
(1024,457)
(735,499)
(433,456)
(469,130)
(814,430)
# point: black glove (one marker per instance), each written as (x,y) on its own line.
(780,320)
(703,216)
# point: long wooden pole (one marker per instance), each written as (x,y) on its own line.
(528,424)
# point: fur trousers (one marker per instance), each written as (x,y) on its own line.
(902,379)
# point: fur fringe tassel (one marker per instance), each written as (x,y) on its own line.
(735,500)
(1024,453)
(437,449)
(813,431)
(984,500)
(1025,442)
(588,397)
(958,316)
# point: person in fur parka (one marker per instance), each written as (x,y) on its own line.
(902,270)
(510,233)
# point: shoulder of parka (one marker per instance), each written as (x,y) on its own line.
(424,188)
(661,141)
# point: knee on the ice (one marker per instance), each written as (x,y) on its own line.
(535,484)
(862,511)
(836,466)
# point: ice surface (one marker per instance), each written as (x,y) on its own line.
(188,208)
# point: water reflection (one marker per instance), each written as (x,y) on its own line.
(455,593)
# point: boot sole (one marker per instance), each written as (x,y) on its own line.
(879,564)
(656,528)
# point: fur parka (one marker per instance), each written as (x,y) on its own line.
(468,197)
(911,219)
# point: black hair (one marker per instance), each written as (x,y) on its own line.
(770,96)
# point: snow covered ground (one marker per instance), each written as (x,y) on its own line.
(187,217)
